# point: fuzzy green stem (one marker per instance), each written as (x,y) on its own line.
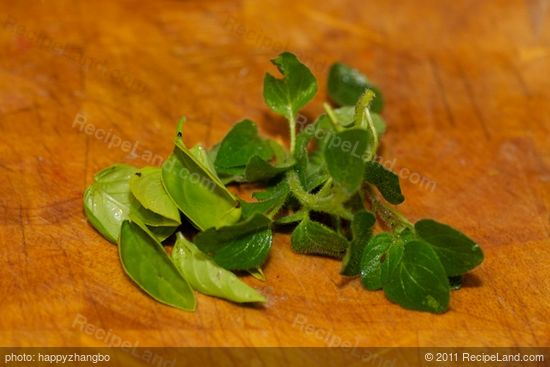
(389,215)
(292,124)
(332,117)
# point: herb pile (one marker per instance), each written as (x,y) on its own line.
(328,186)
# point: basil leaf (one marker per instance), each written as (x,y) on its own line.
(372,258)
(240,145)
(288,95)
(197,192)
(146,186)
(107,201)
(345,86)
(241,246)
(270,201)
(458,253)
(344,158)
(361,227)
(204,158)
(145,216)
(385,181)
(415,278)
(205,276)
(162,233)
(148,265)
(311,237)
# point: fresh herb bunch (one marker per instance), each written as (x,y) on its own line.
(329,185)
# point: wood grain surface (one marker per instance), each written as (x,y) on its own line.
(467,87)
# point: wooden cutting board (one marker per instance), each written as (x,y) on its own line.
(467,86)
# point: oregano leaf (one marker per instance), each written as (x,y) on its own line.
(288,95)
(344,158)
(311,237)
(415,278)
(385,181)
(361,227)
(345,86)
(458,253)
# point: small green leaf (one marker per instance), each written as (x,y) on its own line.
(379,124)
(204,157)
(458,253)
(205,276)
(107,201)
(385,181)
(240,145)
(149,266)
(162,233)
(372,258)
(293,218)
(361,227)
(415,278)
(269,201)
(145,216)
(311,167)
(311,237)
(344,158)
(242,246)
(288,95)
(146,186)
(345,86)
(345,116)
(258,169)
(197,192)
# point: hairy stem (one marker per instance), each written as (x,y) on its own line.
(292,124)
(389,215)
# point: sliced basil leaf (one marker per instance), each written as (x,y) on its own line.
(107,201)
(288,95)
(385,181)
(345,86)
(344,158)
(148,265)
(145,216)
(361,227)
(415,278)
(458,253)
(197,192)
(162,233)
(241,246)
(205,276)
(146,186)
(311,237)
(204,158)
